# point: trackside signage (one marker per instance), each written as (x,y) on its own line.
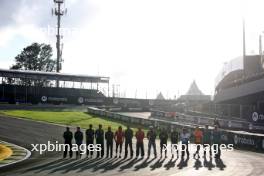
(244,140)
(257,117)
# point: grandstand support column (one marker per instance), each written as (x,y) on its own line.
(108,89)
(15,93)
(3,92)
(26,94)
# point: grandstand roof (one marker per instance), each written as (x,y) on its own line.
(38,75)
(194,90)
(160,97)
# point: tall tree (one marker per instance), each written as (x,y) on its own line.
(36,57)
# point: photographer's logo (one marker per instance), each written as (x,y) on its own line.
(51,147)
(255,116)
(44,98)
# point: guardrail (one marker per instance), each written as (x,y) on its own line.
(240,140)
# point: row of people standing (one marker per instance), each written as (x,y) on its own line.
(125,136)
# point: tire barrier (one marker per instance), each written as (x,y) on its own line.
(239,139)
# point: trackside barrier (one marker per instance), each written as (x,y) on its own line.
(224,123)
(240,140)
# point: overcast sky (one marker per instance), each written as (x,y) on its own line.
(143,45)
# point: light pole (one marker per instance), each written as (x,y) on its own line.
(58,11)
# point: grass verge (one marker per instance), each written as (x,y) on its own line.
(69,118)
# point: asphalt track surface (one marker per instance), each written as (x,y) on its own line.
(26,132)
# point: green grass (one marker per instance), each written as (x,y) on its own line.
(70,118)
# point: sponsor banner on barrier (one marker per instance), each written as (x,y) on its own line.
(126,101)
(83,100)
(46,99)
(245,141)
(257,117)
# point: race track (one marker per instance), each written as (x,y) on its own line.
(26,132)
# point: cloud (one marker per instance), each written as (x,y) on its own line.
(35,16)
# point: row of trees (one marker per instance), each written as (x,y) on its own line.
(35,57)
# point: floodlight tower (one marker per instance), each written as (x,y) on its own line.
(59,11)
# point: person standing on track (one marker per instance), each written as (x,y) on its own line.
(207,141)
(119,139)
(78,136)
(174,142)
(128,141)
(140,144)
(89,139)
(185,137)
(198,136)
(163,141)
(67,135)
(109,137)
(217,142)
(151,135)
(99,136)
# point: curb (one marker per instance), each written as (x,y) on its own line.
(19,154)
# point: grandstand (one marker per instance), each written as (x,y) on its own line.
(239,88)
(23,86)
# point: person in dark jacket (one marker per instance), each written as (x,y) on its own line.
(151,135)
(109,137)
(174,142)
(128,141)
(67,135)
(89,139)
(207,140)
(99,136)
(140,144)
(217,142)
(78,136)
(163,141)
